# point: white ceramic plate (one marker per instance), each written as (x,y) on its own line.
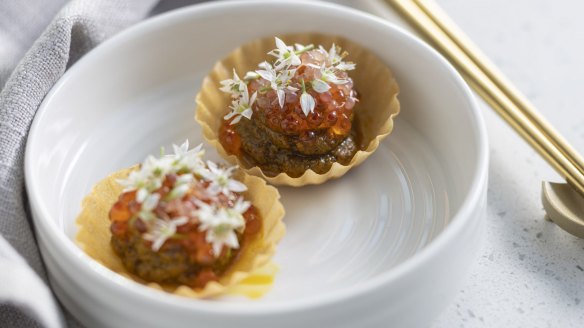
(390,239)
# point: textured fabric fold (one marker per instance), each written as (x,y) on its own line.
(78,27)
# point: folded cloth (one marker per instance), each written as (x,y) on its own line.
(80,25)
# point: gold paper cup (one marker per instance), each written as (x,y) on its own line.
(378,103)
(94,235)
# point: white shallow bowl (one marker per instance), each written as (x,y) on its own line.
(386,245)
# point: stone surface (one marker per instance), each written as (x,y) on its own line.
(530,272)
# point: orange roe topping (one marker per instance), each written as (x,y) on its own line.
(230,139)
(127,208)
(304,92)
(181,220)
(333,109)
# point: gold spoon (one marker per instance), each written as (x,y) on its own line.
(563,202)
(564,206)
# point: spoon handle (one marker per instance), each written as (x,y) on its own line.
(492,86)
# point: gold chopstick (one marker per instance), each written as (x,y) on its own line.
(441,19)
(493,88)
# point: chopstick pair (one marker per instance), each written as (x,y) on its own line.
(490,84)
(500,94)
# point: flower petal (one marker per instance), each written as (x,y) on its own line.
(307,103)
(217,246)
(213,167)
(281,97)
(241,205)
(141,195)
(178,192)
(235,76)
(265,65)
(229,115)
(182,149)
(231,240)
(244,95)
(236,186)
(235,120)
(247,113)
(158,242)
(226,86)
(345,66)
(266,75)
(294,59)
(333,52)
(320,86)
(181,220)
(251,75)
(150,202)
(281,45)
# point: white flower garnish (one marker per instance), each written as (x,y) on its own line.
(149,203)
(241,107)
(183,150)
(240,206)
(336,60)
(233,86)
(327,75)
(162,230)
(138,180)
(279,80)
(221,225)
(188,160)
(333,55)
(221,181)
(286,56)
(268,72)
(153,171)
(282,78)
(158,167)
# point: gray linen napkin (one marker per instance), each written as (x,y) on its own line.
(80,25)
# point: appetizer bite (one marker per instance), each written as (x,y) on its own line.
(179,221)
(298,117)
(295,113)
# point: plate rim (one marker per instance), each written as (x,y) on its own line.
(66,246)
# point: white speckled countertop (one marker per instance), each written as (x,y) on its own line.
(530,273)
